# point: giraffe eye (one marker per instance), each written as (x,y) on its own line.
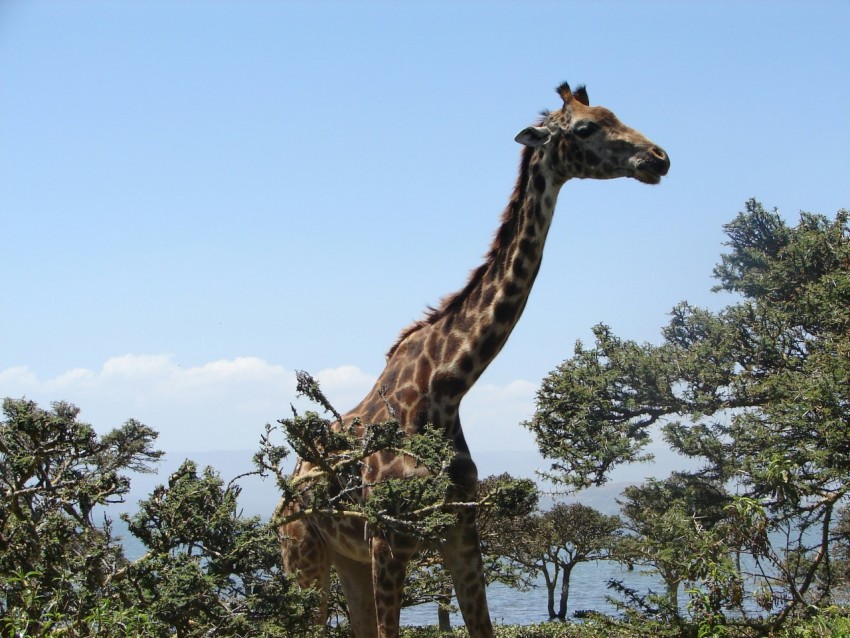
(586,129)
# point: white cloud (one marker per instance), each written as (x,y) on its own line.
(345,386)
(224,404)
(218,405)
(72,378)
(491,416)
(17,377)
(135,366)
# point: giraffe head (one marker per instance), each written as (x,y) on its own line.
(589,141)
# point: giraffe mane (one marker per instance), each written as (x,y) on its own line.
(506,231)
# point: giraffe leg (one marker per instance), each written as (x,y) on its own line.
(461,553)
(388,573)
(305,557)
(356,581)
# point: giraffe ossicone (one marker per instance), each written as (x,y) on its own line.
(436,360)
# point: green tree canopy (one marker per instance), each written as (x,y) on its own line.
(758,392)
(553,542)
(207,569)
(56,561)
(680,529)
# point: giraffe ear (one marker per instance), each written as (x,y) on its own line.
(533,136)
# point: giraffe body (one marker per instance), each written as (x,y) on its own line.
(436,361)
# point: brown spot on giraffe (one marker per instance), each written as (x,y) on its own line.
(436,360)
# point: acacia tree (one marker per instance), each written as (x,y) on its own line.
(58,565)
(208,569)
(62,572)
(504,502)
(758,391)
(679,528)
(553,542)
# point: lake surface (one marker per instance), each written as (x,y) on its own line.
(588,590)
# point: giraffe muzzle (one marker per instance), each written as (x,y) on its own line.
(651,165)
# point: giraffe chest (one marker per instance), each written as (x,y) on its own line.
(351,539)
(345,537)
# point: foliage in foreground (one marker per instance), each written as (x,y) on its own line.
(339,452)
(56,563)
(207,569)
(833,623)
(206,566)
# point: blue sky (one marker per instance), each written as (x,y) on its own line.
(198,198)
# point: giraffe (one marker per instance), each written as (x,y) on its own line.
(436,360)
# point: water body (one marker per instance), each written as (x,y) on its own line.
(588,591)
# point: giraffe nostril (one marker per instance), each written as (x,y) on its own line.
(660,160)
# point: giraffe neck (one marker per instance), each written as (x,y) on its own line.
(463,336)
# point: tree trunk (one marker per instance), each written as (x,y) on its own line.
(673,596)
(443,617)
(444,620)
(550,590)
(565,591)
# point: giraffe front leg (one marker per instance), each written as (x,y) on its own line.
(461,553)
(306,559)
(388,573)
(356,581)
